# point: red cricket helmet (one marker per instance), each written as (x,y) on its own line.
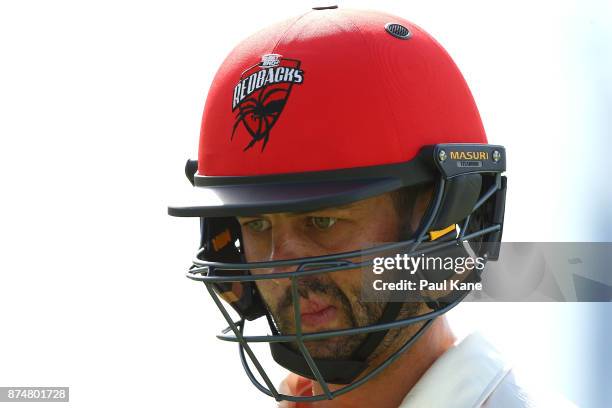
(332,89)
(324,109)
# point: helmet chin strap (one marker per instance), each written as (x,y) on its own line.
(334,371)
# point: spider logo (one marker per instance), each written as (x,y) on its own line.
(259,114)
(261,94)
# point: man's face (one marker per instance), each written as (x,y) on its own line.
(328,301)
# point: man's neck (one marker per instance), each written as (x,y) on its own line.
(388,389)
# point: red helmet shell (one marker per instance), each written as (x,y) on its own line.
(333,89)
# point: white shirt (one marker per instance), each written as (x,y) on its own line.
(474,374)
(470,374)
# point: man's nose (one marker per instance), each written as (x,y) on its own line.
(289,245)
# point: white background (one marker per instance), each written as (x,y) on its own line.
(100,104)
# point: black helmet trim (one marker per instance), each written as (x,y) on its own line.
(218,196)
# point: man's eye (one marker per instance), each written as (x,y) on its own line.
(258,225)
(323,223)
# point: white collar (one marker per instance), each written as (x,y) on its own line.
(463,377)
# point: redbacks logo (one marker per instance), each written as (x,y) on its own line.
(261,95)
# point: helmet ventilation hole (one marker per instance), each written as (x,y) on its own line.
(398,31)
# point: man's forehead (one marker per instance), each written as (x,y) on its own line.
(348,206)
(354,206)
